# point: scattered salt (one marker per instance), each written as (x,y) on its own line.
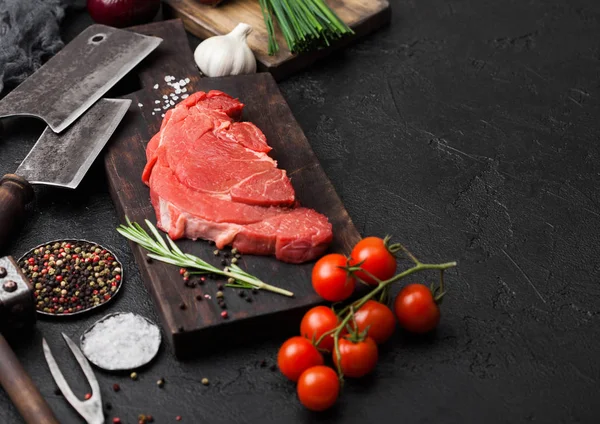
(178,91)
(152,113)
(121,341)
(140,105)
(187,80)
(157,109)
(165,97)
(163,115)
(156,101)
(174,97)
(156,86)
(183,90)
(172,103)
(185,96)
(182,82)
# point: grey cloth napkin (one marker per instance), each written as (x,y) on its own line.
(29,35)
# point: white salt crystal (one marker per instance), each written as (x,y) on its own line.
(178,91)
(171,102)
(182,82)
(140,105)
(157,109)
(183,90)
(156,86)
(152,113)
(163,115)
(121,341)
(174,97)
(167,78)
(185,96)
(187,80)
(156,101)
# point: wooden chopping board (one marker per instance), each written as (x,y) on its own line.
(205,21)
(200,326)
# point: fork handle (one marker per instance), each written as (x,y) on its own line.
(16,382)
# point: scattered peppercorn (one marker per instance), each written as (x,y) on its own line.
(230,280)
(148,260)
(180,329)
(108,406)
(254,290)
(57,392)
(116,420)
(273,367)
(224,314)
(234,251)
(198,297)
(242,293)
(223,305)
(205,381)
(133,376)
(219,294)
(220,286)
(223,262)
(149,418)
(263,363)
(116,387)
(178,417)
(216,253)
(87,396)
(142,418)
(234,261)
(182,306)
(161,383)
(71,276)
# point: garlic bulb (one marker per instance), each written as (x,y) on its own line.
(228,54)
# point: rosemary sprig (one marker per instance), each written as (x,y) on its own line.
(171,254)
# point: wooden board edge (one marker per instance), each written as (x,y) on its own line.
(295,63)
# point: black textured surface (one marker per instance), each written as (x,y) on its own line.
(469,129)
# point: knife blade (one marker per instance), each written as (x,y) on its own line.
(60,160)
(77,76)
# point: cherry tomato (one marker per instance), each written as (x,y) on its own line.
(297,355)
(378,318)
(416,309)
(318,388)
(330,280)
(377,260)
(358,358)
(317,321)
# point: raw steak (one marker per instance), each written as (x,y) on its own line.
(210,177)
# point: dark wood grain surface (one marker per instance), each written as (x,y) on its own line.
(206,21)
(192,326)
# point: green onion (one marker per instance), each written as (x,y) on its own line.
(305,24)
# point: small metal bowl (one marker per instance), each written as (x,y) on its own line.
(83,311)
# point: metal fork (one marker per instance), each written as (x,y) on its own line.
(91,409)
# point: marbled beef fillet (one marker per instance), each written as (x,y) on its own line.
(210,177)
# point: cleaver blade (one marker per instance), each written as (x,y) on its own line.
(77,76)
(62,160)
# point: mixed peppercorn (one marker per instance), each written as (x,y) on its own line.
(71,276)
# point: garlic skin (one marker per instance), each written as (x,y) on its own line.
(225,55)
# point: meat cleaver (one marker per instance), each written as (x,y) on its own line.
(77,76)
(58,160)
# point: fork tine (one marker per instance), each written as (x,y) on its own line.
(85,367)
(59,378)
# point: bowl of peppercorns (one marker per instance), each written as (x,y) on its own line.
(71,277)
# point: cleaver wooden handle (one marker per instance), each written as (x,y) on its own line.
(16,382)
(15,194)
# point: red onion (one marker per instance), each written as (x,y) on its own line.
(123,13)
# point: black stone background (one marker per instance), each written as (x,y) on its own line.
(469,130)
